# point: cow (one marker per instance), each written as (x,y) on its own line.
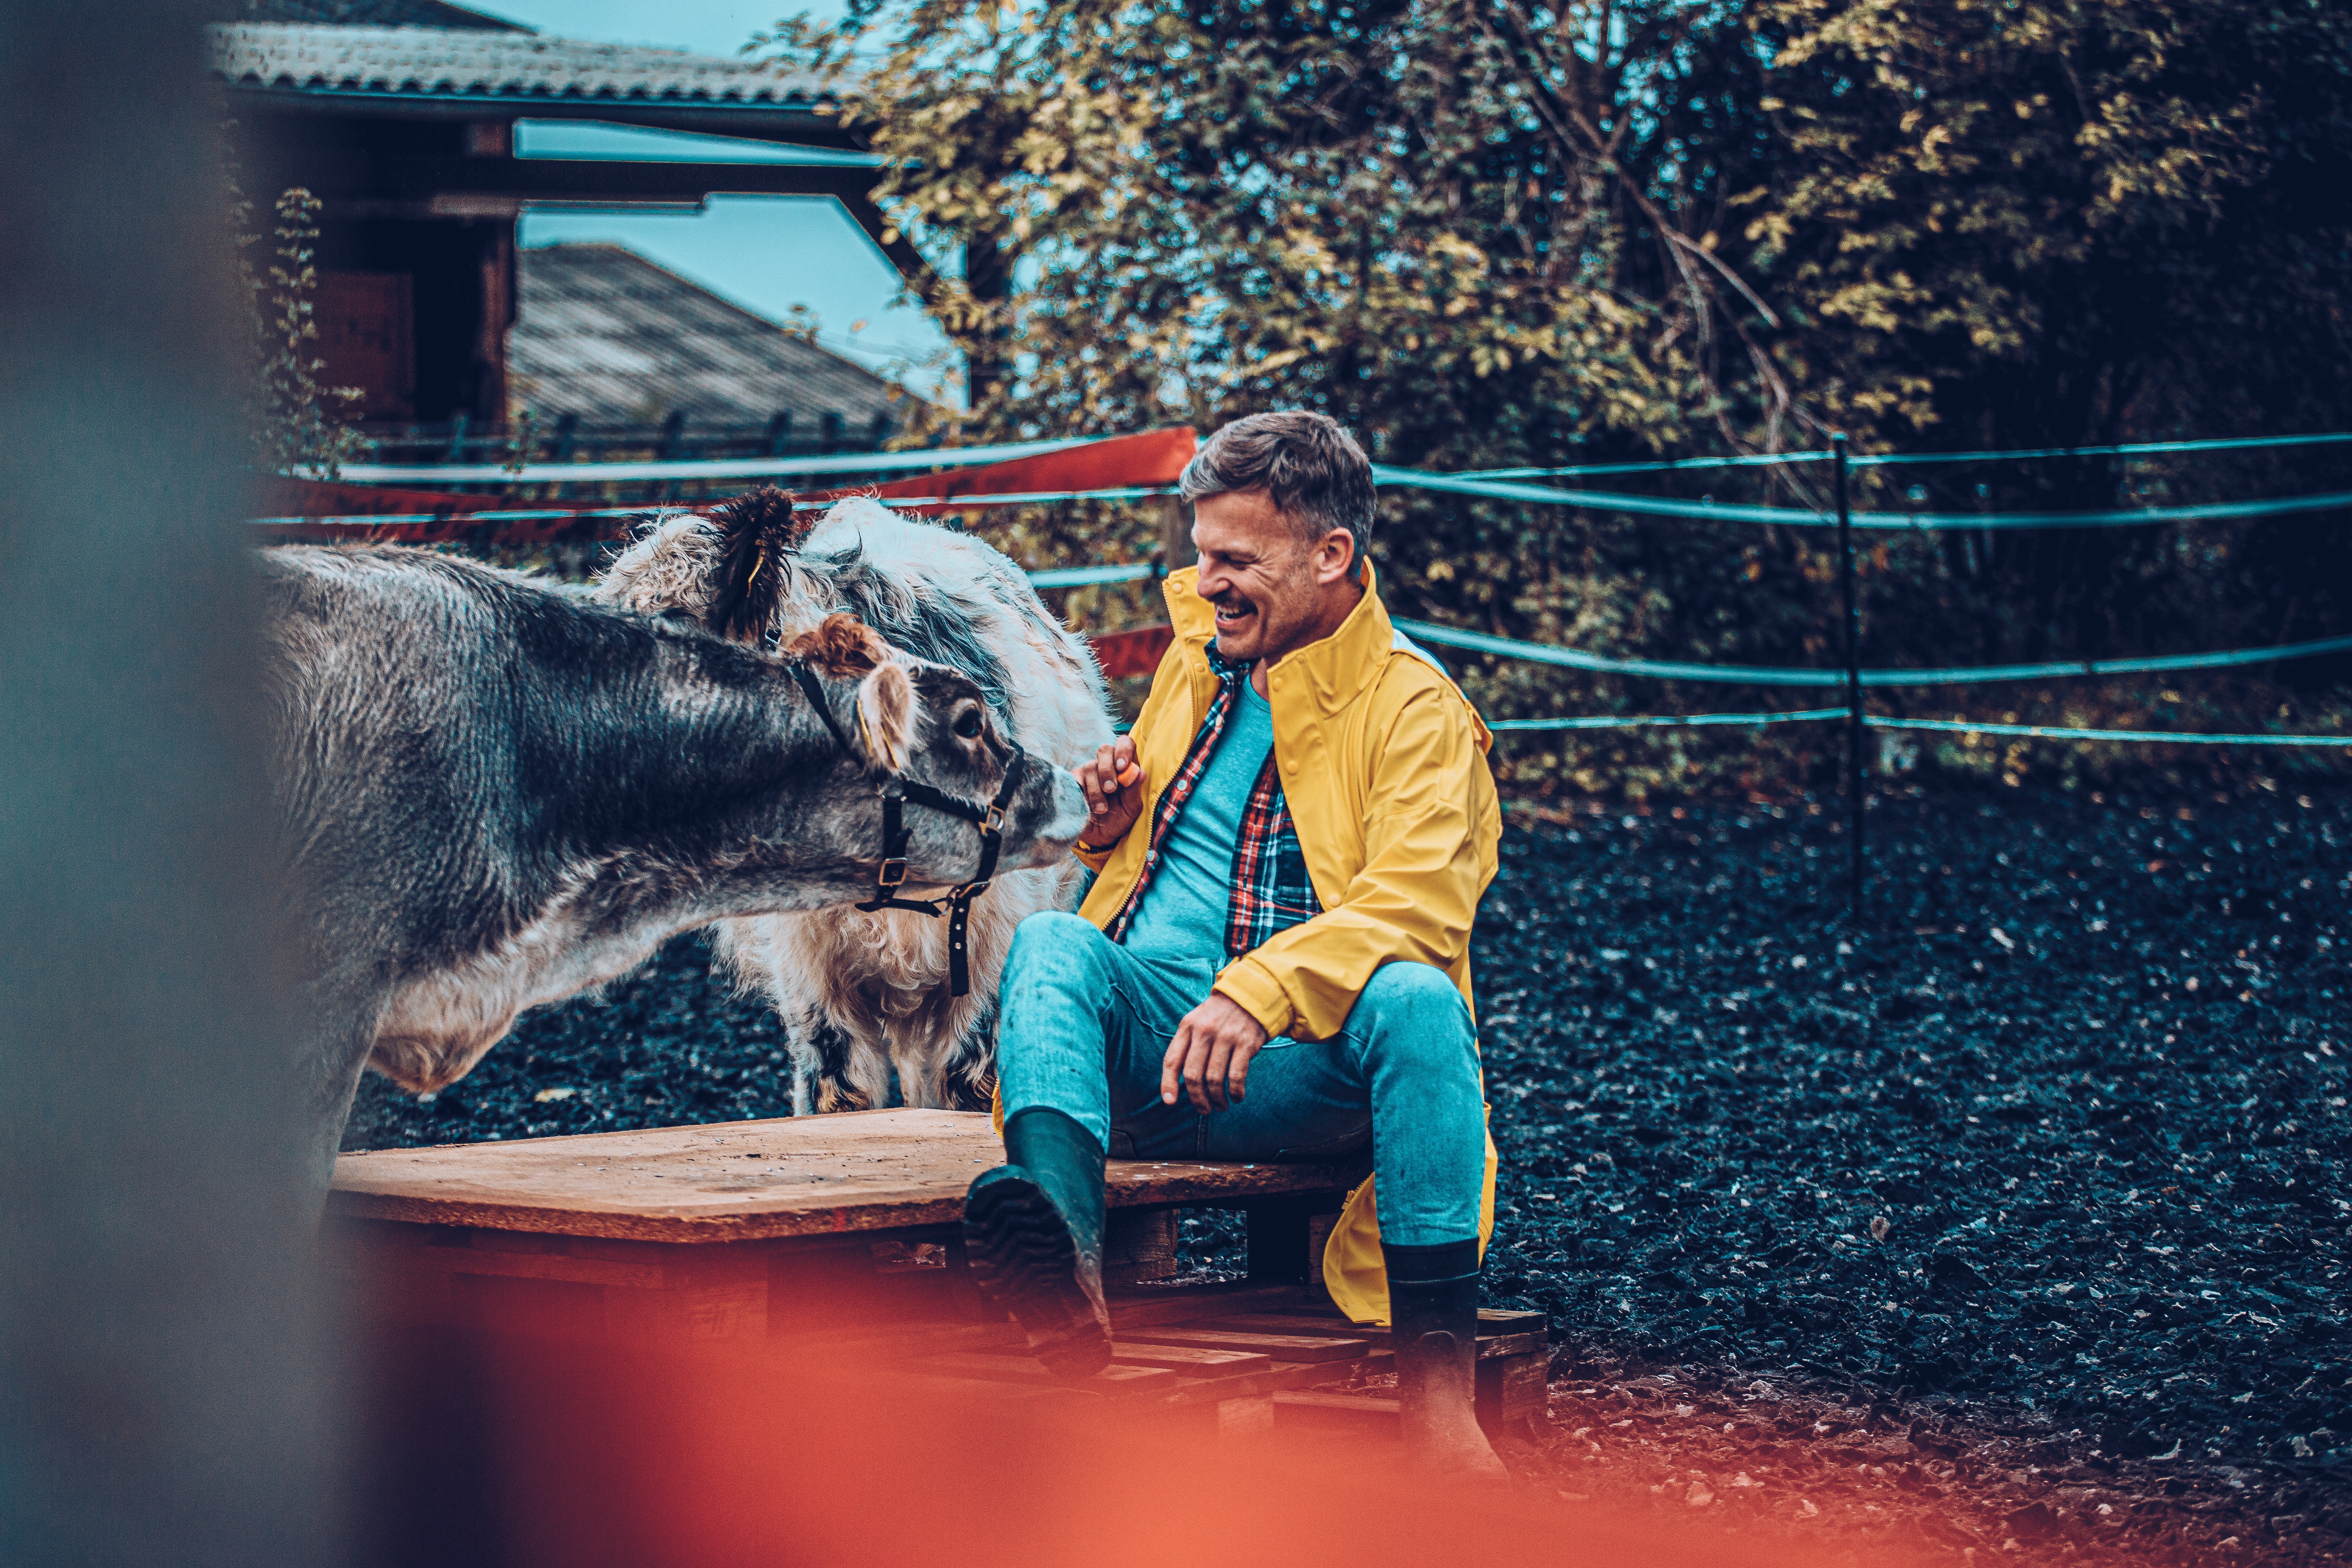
(866,994)
(491,795)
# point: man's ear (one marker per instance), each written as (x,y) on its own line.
(886,716)
(1335,558)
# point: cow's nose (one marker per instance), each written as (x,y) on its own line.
(1064,818)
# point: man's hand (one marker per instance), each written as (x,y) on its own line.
(1210,1056)
(1114,786)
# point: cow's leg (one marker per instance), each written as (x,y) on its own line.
(825,1056)
(946,1053)
(341,1033)
(967,1073)
(962,1064)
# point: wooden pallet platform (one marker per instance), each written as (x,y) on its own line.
(840,1235)
(791,1178)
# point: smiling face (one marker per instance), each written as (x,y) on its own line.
(1275,591)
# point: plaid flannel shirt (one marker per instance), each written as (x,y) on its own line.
(1271,889)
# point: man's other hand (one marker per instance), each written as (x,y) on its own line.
(1210,1056)
(1114,786)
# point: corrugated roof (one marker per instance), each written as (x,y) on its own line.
(607,336)
(476,63)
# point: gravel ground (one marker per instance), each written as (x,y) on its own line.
(2029,1191)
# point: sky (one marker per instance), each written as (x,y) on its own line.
(765,253)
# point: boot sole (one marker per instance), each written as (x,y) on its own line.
(1022,1258)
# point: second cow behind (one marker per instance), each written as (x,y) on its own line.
(863,994)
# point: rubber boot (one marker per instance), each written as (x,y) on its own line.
(1433,1306)
(1032,1231)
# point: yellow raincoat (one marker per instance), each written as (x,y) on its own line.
(1384,769)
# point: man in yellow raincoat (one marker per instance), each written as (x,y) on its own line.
(1274,961)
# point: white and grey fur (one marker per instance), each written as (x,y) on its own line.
(861,994)
(491,794)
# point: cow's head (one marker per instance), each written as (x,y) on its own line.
(736,571)
(928,723)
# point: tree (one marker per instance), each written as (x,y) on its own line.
(1486,233)
(2012,223)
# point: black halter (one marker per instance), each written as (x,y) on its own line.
(891,873)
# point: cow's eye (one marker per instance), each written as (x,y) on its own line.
(967,724)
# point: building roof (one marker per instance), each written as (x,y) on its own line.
(610,338)
(513,69)
(363,13)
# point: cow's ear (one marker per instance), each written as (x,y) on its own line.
(886,716)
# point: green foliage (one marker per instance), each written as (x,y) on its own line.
(1489,234)
(2047,222)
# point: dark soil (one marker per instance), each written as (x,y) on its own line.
(2032,1185)
(671,1043)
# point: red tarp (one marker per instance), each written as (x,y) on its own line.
(1133,653)
(449,508)
(1153,458)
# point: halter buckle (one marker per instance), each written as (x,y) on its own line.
(892,874)
(995,825)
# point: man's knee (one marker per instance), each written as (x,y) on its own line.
(1413,1008)
(1053,946)
(1415,987)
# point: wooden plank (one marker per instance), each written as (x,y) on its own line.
(1514,1322)
(1505,1347)
(1290,1376)
(1192,1360)
(1489,1318)
(736,1312)
(1490,1342)
(1025,1369)
(529,1266)
(1356,1414)
(738,1181)
(1245,1417)
(1512,1388)
(1281,1347)
(909,1340)
(977,1388)
(1287,1323)
(1182,1304)
(1500,1333)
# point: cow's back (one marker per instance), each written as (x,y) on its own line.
(395,742)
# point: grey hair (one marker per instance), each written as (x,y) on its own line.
(1308,465)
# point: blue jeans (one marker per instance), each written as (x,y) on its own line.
(1085,1025)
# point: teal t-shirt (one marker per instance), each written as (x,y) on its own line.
(1184,910)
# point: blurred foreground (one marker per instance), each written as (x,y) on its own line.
(536,1445)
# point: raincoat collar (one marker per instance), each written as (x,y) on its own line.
(1338,669)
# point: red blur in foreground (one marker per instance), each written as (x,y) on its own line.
(562,1448)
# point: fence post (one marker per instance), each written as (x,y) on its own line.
(1175,534)
(1853,730)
